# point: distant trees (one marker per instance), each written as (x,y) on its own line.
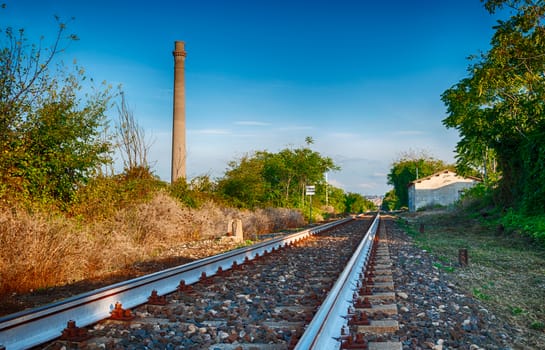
(389,202)
(356,203)
(274,179)
(499,109)
(265,179)
(51,133)
(407,168)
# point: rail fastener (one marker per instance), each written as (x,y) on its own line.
(357,342)
(205,279)
(362,303)
(155,299)
(184,288)
(359,319)
(121,314)
(73,333)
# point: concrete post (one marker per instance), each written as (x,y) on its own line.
(239,235)
(234,230)
(178,125)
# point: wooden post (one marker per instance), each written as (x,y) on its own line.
(463,258)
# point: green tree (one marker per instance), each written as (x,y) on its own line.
(336,199)
(356,203)
(409,167)
(499,107)
(390,201)
(243,184)
(274,179)
(51,134)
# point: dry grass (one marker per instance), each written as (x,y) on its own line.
(41,250)
(507,273)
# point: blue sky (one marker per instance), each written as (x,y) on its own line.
(362,78)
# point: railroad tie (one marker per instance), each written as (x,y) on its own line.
(375,304)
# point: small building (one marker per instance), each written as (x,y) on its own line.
(442,188)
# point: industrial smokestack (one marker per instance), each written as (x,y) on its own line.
(178,125)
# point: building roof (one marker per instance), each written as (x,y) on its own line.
(440,179)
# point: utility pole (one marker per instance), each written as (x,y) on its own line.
(326,191)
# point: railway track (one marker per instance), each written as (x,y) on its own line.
(228,301)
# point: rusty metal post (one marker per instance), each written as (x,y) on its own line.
(421,229)
(463,259)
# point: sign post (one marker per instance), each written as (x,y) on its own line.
(310,191)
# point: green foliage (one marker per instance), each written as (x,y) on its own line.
(480,294)
(195,193)
(51,135)
(274,179)
(103,196)
(336,199)
(477,197)
(530,226)
(498,109)
(405,170)
(443,267)
(390,201)
(537,325)
(533,190)
(244,184)
(515,310)
(356,203)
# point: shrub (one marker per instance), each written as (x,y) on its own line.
(42,249)
(529,226)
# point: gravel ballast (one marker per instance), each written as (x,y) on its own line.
(433,313)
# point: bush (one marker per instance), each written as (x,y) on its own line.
(114,229)
(103,196)
(529,226)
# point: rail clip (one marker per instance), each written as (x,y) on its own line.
(155,299)
(74,334)
(355,343)
(120,314)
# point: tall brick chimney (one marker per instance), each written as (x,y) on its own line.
(178,125)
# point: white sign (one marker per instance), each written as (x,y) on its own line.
(310,190)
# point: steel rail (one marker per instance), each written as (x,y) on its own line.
(324,331)
(33,327)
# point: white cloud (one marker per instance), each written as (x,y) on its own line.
(252,123)
(210,132)
(408,132)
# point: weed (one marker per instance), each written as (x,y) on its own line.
(443,259)
(537,325)
(480,295)
(246,243)
(515,310)
(444,268)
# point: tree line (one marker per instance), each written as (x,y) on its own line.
(266,179)
(498,108)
